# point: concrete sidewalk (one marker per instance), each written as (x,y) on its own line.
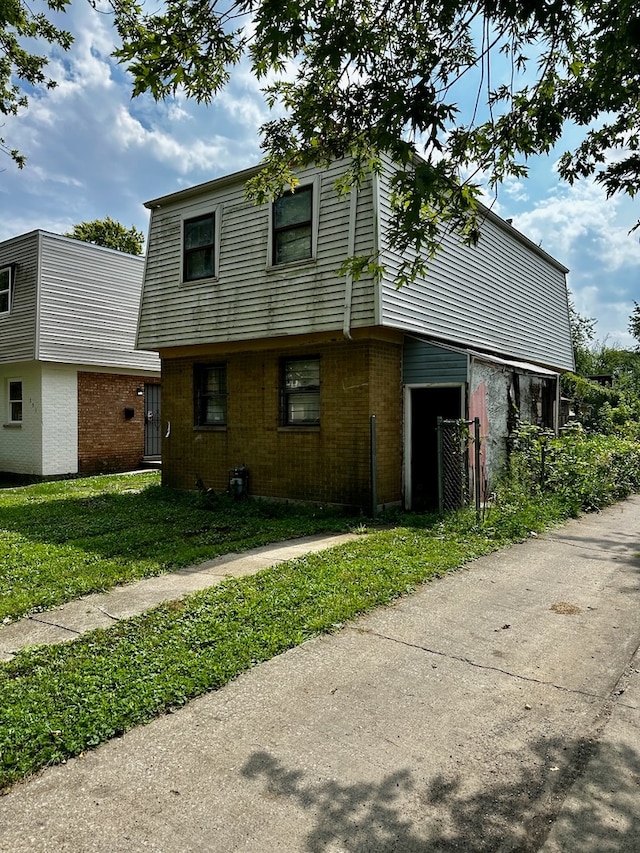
(497,709)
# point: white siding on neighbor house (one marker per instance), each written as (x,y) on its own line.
(21,445)
(18,328)
(503,295)
(249,299)
(89,302)
(59,420)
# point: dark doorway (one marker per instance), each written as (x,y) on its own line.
(152,421)
(427,405)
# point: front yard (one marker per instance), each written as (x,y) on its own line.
(60,540)
(64,539)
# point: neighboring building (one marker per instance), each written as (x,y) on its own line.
(272,360)
(74,392)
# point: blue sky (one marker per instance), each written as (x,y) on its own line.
(94,152)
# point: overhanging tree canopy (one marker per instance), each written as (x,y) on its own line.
(363,77)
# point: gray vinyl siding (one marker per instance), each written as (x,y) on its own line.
(425,364)
(89,300)
(503,295)
(249,299)
(18,328)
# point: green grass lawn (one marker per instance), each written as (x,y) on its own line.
(63,539)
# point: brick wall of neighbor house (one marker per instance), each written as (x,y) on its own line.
(327,463)
(107,440)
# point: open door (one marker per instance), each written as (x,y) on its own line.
(427,405)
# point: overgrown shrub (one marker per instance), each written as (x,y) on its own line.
(588,398)
(564,475)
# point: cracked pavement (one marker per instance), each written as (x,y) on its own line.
(495,709)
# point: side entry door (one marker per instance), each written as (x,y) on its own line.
(152,420)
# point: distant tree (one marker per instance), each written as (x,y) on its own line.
(634,324)
(109,233)
(582,334)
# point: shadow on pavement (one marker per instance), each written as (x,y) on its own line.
(399,815)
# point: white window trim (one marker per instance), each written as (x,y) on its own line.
(9,270)
(315,184)
(10,420)
(193,213)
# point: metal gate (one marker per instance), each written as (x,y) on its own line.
(459,469)
(152,421)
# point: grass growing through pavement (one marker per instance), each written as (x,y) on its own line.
(61,540)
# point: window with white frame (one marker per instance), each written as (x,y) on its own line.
(292,226)
(198,258)
(15,401)
(210,394)
(5,290)
(301,391)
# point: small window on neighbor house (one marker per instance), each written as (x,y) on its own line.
(15,401)
(198,248)
(301,391)
(5,290)
(292,226)
(210,381)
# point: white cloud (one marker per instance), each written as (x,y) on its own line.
(579,219)
(165,148)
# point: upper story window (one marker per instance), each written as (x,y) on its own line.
(15,401)
(5,290)
(210,394)
(292,226)
(198,248)
(301,391)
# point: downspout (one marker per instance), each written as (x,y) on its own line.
(351,248)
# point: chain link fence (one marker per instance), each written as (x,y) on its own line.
(459,464)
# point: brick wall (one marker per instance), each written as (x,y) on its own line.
(107,440)
(326,463)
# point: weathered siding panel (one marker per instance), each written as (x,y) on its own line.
(426,364)
(500,295)
(89,305)
(250,299)
(18,328)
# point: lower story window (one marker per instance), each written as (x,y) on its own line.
(15,401)
(301,391)
(210,394)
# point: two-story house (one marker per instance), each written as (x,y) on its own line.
(75,394)
(272,360)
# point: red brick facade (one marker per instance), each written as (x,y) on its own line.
(109,440)
(326,463)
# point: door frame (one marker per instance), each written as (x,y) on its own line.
(408,425)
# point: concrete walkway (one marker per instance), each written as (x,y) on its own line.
(102,609)
(497,709)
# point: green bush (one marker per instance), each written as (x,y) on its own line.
(567,474)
